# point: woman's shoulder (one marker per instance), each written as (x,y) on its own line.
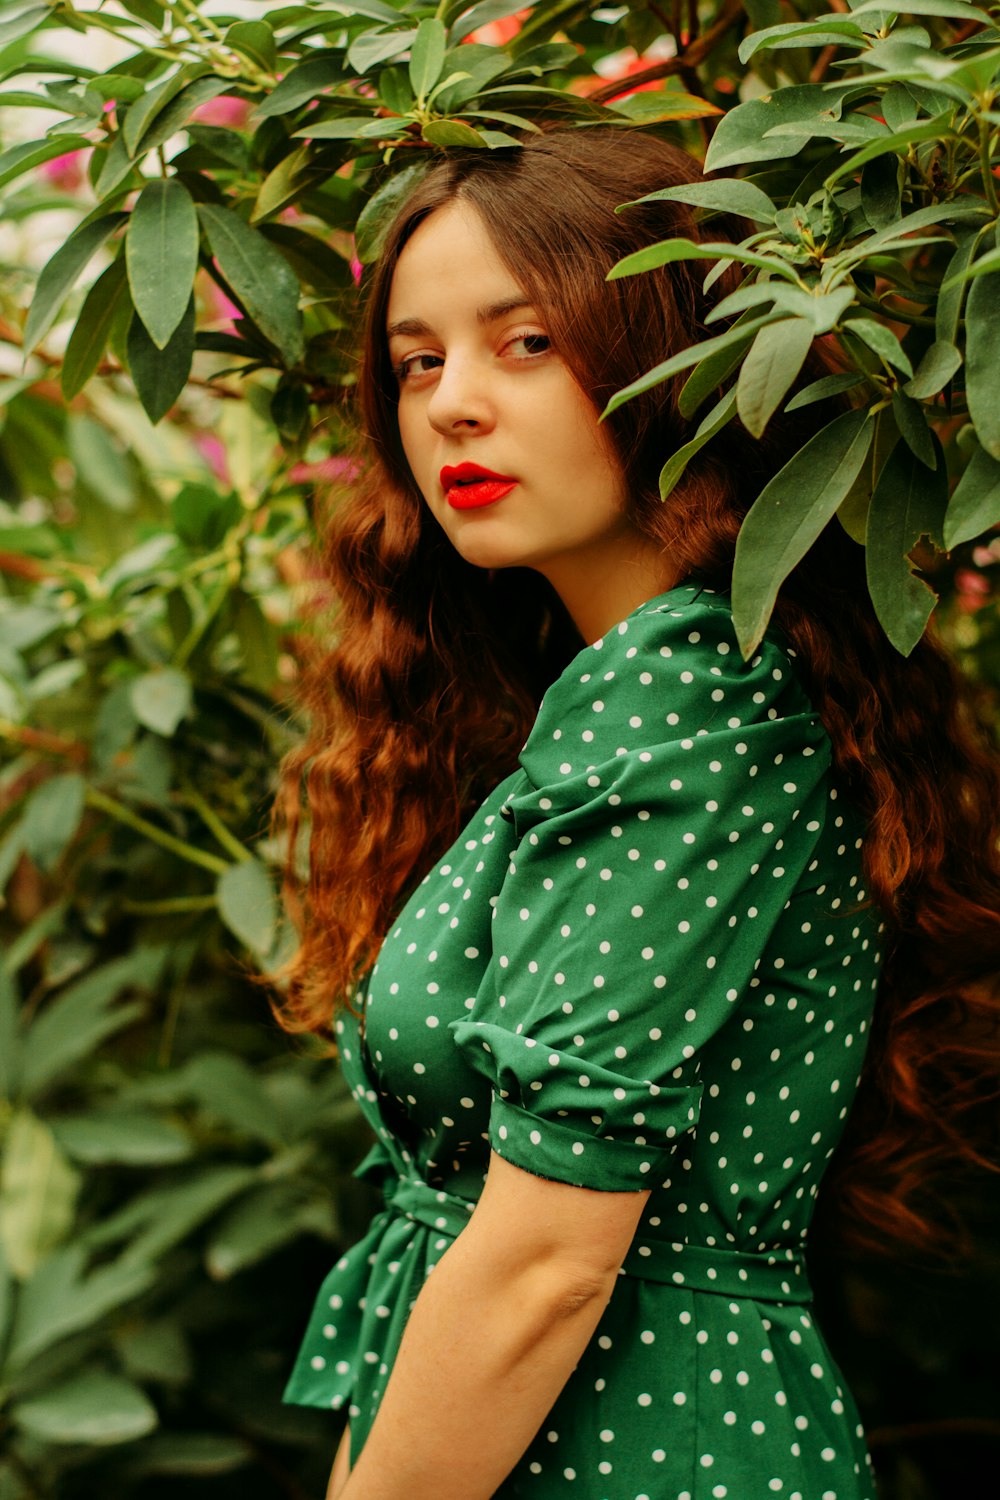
(682,643)
(671,671)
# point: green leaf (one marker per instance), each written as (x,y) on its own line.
(164,1216)
(373,47)
(952,292)
(821,311)
(912,424)
(10,1037)
(740,334)
(427,56)
(59,1301)
(788,516)
(52,818)
(17,160)
(286,181)
(826,31)
(483,14)
(939,363)
(177,113)
(350,127)
(667,251)
(91,1407)
(771,366)
(926,130)
(975,503)
(899,107)
(721,413)
(300,84)
(824,388)
(740,134)
(38,1192)
(381,208)
(259,275)
(982,359)
(79,1018)
(61,273)
(155,1350)
(161,250)
(159,375)
(116,167)
(452,133)
(726,195)
(711,373)
(203,514)
(880,192)
(161,699)
(131,1137)
(20,25)
(255,40)
(139,116)
(260,1223)
(881,340)
(105,307)
(958,10)
(908,502)
(666,104)
(247,904)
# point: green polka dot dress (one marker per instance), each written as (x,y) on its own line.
(647,963)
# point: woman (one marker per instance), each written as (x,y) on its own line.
(625,974)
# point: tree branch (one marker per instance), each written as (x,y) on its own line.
(692,55)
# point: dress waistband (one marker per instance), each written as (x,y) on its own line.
(776,1276)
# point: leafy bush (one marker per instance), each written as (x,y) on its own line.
(174,1173)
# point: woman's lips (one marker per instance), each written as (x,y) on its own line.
(469,486)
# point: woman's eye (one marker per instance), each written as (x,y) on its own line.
(533,344)
(416,364)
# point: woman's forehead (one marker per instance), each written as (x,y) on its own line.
(450,265)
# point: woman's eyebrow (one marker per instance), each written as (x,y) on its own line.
(417,328)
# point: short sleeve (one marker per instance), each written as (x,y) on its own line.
(671,800)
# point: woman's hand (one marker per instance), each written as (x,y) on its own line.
(341,1466)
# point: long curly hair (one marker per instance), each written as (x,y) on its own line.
(423,701)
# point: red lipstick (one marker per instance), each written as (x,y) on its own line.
(470,486)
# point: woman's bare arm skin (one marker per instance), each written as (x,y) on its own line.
(341,1466)
(494,1335)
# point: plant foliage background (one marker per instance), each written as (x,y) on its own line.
(189,193)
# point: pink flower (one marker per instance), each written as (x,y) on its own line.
(225,110)
(67,172)
(214,454)
(325,471)
(973,590)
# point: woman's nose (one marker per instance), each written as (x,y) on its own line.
(460,397)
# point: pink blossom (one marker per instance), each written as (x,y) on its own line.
(214,454)
(67,172)
(973,590)
(225,110)
(325,471)
(356,270)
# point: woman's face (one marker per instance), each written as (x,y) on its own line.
(503,444)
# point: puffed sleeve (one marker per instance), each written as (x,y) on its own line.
(671,800)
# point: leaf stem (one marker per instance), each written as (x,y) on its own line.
(212,821)
(172,906)
(180,847)
(989,182)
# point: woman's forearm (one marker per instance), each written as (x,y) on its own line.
(484,1355)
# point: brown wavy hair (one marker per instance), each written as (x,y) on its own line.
(421,705)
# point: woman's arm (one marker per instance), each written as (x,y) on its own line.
(496,1331)
(341,1466)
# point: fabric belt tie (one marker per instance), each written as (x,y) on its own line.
(778,1276)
